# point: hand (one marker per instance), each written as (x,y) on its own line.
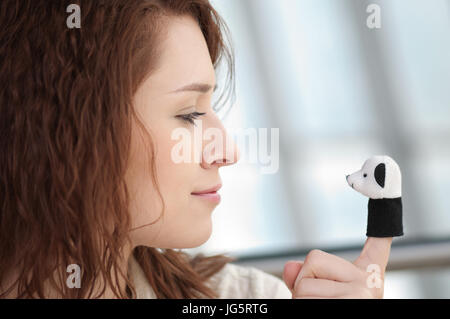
(323,275)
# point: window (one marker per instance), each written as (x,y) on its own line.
(339,93)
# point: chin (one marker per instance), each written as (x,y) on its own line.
(200,237)
(199,241)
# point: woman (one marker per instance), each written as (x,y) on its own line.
(88,177)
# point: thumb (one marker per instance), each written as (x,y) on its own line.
(291,270)
(375,251)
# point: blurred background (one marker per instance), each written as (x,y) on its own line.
(339,92)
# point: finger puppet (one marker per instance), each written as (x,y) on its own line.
(380,179)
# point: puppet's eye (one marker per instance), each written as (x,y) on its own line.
(365,175)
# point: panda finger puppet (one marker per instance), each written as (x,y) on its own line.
(380,179)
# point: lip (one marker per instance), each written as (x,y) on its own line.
(212,197)
(209,190)
(209,194)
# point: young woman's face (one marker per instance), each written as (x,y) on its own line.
(187,218)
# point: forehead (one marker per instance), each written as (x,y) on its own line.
(184,57)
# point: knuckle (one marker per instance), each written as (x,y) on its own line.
(313,255)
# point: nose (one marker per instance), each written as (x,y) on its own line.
(222,151)
(230,156)
(346,177)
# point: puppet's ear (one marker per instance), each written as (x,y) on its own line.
(380,174)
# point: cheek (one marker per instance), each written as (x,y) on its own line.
(175,181)
(145,204)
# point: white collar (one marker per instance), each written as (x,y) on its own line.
(143,288)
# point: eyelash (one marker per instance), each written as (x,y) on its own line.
(191,116)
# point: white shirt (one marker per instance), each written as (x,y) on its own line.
(231,282)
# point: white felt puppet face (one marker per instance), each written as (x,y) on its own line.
(379,177)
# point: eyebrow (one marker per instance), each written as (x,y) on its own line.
(196,87)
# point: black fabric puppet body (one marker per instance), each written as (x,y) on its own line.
(380,179)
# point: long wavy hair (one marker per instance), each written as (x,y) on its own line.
(65,130)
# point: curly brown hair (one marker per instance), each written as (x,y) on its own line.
(65,128)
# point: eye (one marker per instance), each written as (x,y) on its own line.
(190,117)
(365,175)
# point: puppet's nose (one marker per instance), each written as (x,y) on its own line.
(346,177)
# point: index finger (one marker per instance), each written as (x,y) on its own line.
(376,250)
